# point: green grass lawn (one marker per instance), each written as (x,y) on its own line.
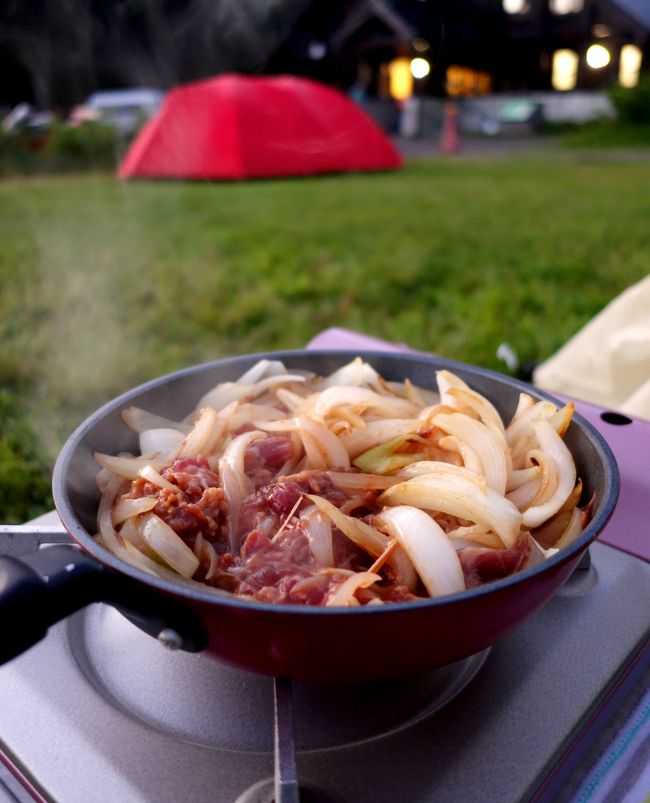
(105,284)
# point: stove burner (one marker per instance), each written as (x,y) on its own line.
(201,701)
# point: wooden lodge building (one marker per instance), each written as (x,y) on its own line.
(398,48)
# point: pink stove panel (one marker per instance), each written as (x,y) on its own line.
(629,439)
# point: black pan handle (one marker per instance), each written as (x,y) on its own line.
(46,586)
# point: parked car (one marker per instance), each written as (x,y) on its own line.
(25,117)
(122,109)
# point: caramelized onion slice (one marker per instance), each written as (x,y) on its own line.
(150,474)
(205,434)
(426,544)
(140,420)
(127,508)
(344,593)
(362,399)
(227,392)
(369,539)
(360,439)
(322,444)
(489,446)
(554,447)
(128,468)
(458,495)
(318,530)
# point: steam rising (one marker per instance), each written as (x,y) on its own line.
(70,47)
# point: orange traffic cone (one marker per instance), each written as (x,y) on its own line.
(450,137)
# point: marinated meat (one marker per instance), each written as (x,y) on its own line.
(481,565)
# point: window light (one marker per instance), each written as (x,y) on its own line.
(566,6)
(629,66)
(564,74)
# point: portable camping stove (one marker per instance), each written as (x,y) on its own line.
(99,711)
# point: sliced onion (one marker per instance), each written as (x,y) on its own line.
(236,485)
(459,495)
(522,496)
(447,380)
(318,530)
(456,393)
(227,392)
(126,508)
(363,535)
(490,448)
(353,480)
(562,418)
(249,413)
(362,399)
(553,445)
(471,461)
(486,411)
(108,534)
(149,473)
(356,373)
(344,593)
(439,467)
(128,467)
(519,477)
(163,442)
(520,425)
(553,529)
(205,434)
(140,420)
(360,439)
(525,402)
(329,447)
(234,456)
(292,401)
(475,534)
(130,531)
(168,545)
(417,395)
(369,539)
(206,553)
(572,531)
(261,369)
(427,546)
(548,476)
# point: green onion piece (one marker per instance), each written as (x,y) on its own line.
(384,458)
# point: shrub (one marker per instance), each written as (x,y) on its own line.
(633,105)
(24,475)
(88,144)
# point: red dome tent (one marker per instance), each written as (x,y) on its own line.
(237,127)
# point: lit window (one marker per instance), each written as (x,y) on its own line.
(598,56)
(566,6)
(400,79)
(565,70)
(515,6)
(629,66)
(465,82)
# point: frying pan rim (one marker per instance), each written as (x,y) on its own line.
(214,596)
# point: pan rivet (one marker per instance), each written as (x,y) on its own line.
(170,638)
